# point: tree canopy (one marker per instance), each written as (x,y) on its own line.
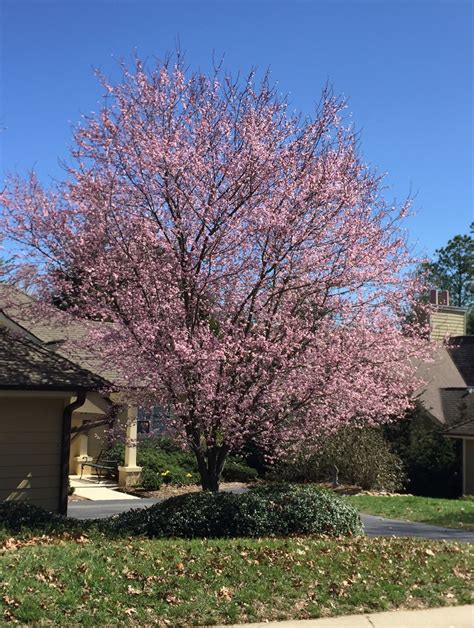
(252,270)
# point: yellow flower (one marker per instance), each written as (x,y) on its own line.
(189,475)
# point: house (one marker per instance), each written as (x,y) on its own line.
(54,413)
(448,395)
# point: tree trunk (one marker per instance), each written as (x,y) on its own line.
(210,465)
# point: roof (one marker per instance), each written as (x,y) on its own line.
(461,350)
(25,365)
(439,374)
(458,404)
(55,328)
(447,394)
(461,430)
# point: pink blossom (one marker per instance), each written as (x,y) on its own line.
(255,277)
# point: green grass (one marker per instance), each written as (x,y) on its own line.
(452,513)
(94,581)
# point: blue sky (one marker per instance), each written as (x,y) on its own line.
(406,67)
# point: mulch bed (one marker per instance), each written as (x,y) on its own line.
(172,491)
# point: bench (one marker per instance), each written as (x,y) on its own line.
(101,465)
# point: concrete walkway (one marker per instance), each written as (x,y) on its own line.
(94,490)
(446,617)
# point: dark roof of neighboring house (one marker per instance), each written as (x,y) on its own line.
(25,365)
(448,379)
(461,429)
(461,350)
(458,405)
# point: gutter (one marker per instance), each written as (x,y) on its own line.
(66,449)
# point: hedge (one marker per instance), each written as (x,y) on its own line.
(268,511)
(281,511)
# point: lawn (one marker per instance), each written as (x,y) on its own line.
(452,513)
(93,580)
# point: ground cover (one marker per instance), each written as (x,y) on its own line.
(91,580)
(451,513)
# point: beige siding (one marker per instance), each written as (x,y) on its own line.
(446,322)
(30,449)
(468,466)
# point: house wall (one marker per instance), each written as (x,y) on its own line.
(468,455)
(97,441)
(448,321)
(30,449)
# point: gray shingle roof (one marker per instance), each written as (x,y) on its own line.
(461,430)
(58,329)
(458,405)
(25,365)
(461,350)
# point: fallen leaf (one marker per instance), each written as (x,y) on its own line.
(225,593)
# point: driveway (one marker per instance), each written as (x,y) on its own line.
(379,526)
(100,509)
(373,526)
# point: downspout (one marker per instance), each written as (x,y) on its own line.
(66,449)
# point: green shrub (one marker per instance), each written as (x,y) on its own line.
(237,471)
(362,457)
(150,480)
(433,462)
(17,516)
(270,511)
(161,458)
(162,461)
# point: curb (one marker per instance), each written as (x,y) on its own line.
(444,617)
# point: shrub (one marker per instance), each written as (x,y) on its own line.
(17,516)
(150,480)
(238,471)
(270,511)
(164,462)
(433,462)
(362,457)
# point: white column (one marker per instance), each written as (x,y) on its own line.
(129,474)
(82,451)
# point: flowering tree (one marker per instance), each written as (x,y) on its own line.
(252,270)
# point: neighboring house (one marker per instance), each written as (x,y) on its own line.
(448,395)
(54,414)
(446,320)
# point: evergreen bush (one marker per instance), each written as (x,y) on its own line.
(271,511)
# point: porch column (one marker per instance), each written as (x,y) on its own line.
(82,451)
(129,474)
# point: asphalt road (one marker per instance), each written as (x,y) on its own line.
(374,526)
(103,509)
(378,526)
